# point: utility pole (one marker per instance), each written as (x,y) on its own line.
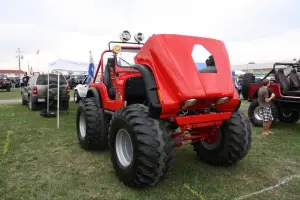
(19,57)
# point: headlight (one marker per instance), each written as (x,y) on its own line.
(125,36)
(189,103)
(222,100)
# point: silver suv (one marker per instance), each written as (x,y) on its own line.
(35,91)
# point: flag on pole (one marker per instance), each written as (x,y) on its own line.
(90,69)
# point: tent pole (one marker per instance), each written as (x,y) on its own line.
(48,94)
(58,88)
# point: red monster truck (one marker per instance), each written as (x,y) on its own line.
(152,98)
(285,86)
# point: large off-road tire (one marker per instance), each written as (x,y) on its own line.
(247,79)
(24,102)
(91,126)
(290,117)
(256,119)
(147,143)
(8,89)
(232,145)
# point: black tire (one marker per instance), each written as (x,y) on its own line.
(31,105)
(23,100)
(235,142)
(8,89)
(248,78)
(291,117)
(77,96)
(258,122)
(153,146)
(96,133)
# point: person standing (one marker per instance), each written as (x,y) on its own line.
(265,106)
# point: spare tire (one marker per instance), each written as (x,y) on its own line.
(254,116)
(247,79)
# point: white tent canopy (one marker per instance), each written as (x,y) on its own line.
(239,72)
(68,65)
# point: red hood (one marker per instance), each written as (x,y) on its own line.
(170,58)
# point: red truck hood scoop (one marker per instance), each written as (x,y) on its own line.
(188,67)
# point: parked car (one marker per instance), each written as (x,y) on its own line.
(76,79)
(80,91)
(5,83)
(35,91)
(16,81)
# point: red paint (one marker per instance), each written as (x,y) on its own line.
(170,58)
(255,86)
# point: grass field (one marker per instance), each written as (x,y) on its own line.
(16,94)
(39,161)
(13,94)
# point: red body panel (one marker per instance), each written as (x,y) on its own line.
(255,86)
(170,58)
(176,75)
(202,118)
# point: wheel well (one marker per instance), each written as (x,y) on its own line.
(135,91)
(151,88)
(93,92)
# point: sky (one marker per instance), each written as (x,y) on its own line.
(252,30)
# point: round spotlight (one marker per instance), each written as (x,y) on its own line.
(125,36)
(139,37)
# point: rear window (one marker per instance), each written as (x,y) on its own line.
(43,79)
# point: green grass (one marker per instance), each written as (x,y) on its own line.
(39,161)
(13,94)
(16,94)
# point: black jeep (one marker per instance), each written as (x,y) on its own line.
(5,83)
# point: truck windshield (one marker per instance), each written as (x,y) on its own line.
(126,57)
(3,77)
(78,76)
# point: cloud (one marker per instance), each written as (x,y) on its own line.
(252,30)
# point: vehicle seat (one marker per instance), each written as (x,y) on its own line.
(294,80)
(211,66)
(285,85)
(107,78)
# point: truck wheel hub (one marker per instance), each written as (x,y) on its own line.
(257,115)
(124,148)
(82,125)
(212,142)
